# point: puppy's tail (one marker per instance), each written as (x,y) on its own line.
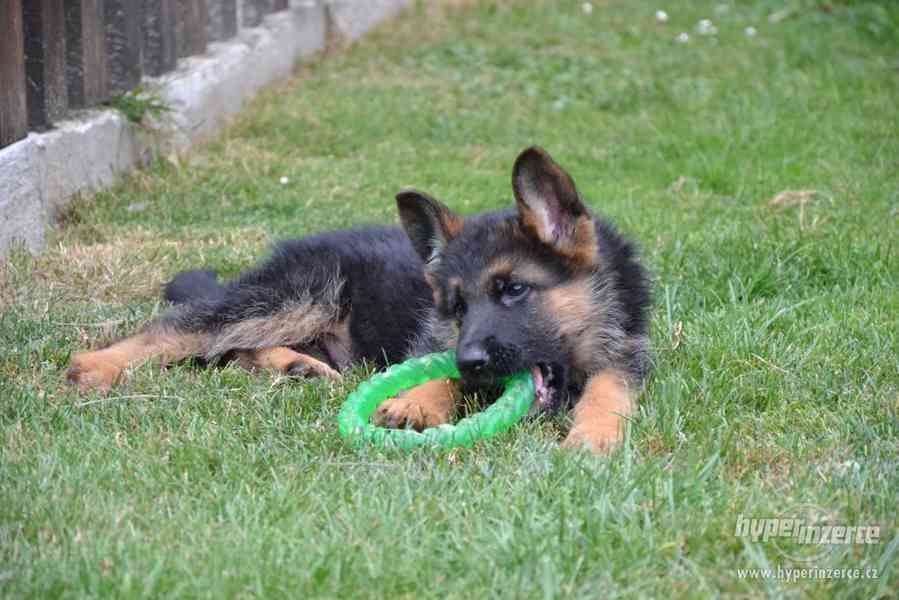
(193,285)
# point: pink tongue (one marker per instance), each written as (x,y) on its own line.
(538,382)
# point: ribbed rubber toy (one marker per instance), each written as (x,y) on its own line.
(354,416)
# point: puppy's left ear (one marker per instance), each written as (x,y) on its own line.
(429,224)
(550,209)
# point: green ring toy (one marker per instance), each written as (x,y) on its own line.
(354,416)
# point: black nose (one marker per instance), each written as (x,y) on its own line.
(472,359)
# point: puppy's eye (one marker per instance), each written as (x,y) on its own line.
(515,291)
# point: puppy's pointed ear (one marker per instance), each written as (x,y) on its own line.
(429,224)
(549,207)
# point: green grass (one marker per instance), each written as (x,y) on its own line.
(775,327)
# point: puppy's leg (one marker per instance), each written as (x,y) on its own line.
(427,405)
(287,361)
(101,369)
(601,413)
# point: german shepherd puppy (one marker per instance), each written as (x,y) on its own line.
(546,287)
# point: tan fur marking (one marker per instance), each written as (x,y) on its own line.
(530,272)
(101,369)
(312,367)
(299,322)
(579,245)
(517,269)
(530,221)
(286,361)
(583,247)
(286,328)
(571,306)
(427,405)
(601,413)
(500,266)
(452,224)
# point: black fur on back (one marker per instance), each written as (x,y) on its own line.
(188,286)
(378,273)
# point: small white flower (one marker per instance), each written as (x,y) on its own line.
(750,31)
(722,9)
(560,103)
(705,27)
(587,8)
(683,38)
(661,16)
(284,180)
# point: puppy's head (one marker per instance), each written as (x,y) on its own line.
(517,283)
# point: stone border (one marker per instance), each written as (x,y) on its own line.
(42,173)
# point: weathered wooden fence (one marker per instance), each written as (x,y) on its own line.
(57,55)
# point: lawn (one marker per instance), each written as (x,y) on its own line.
(758,173)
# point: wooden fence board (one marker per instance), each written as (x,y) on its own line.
(191,27)
(254,11)
(222,19)
(45,62)
(13,111)
(87,80)
(160,48)
(122,26)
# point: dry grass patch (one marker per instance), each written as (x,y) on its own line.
(126,268)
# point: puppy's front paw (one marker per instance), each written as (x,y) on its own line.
(400,413)
(597,440)
(92,371)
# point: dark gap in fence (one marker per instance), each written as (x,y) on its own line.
(13,111)
(222,19)
(255,10)
(45,64)
(190,30)
(86,74)
(123,43)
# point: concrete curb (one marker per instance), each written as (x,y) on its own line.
(42,173)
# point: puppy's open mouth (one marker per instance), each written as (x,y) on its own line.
(548,382)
